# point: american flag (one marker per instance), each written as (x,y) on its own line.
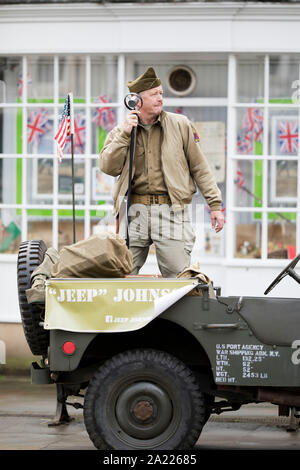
(287,136)
(37,124)
(79,134)
(104,117)
(64,128)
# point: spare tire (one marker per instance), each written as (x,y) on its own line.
(31,254)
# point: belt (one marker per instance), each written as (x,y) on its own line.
(149,199)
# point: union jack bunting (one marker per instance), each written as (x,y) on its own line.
(244,143)
(104,117)
(253,123)
(181,110)
(240,180)
(21,83)
(287,136)
(252,130)
(79,134)
(37,124)
(64,128)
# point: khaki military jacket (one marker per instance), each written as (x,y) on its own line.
(183,163)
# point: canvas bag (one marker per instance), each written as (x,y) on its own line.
(195,271)
(104,254)
(36,294)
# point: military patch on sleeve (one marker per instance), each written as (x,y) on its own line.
(196,136)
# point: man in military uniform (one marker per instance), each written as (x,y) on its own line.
(168,162)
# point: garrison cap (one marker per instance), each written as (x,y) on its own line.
(144,82)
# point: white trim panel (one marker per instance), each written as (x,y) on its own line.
(117,28)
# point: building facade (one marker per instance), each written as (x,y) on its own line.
(232,68)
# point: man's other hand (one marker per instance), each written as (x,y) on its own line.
(217,220)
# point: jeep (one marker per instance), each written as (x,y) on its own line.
(153,358)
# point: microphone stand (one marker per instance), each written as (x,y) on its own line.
(131,100)
(131,157)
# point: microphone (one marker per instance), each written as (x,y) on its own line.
(131,101)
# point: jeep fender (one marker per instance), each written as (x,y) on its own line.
(61,361)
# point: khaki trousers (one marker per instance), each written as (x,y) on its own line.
(170,231)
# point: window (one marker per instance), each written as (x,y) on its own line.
(263,157)
(35,190)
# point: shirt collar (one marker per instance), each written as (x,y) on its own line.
(158,120)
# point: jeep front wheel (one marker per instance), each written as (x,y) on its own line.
(144,399)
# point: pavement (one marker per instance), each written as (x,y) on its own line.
(26,411)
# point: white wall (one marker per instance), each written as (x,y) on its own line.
(239,280)
(9,304)
(126,27)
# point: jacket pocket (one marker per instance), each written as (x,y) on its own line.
(139,150)
(140,163)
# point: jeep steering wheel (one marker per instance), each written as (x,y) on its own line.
(288,270)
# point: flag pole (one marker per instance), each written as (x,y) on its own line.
(72,159)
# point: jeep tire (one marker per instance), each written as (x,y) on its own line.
(31,254)
(144,399)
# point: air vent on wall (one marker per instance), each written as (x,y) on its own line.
(181,80)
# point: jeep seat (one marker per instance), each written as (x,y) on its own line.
(274,320)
